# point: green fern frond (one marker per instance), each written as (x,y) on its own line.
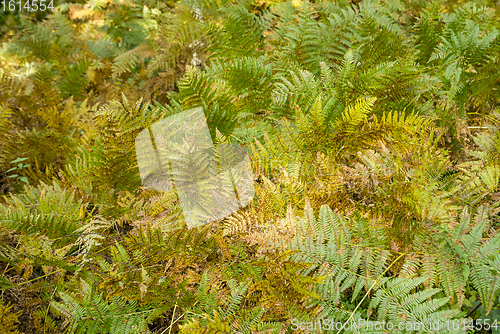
(45,209)
(240,33)
(296,36)
(127,61)
(354,116)
(90,313)
(355,266)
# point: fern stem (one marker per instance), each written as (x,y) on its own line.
(37,278)
(172,321)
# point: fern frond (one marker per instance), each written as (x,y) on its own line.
(45,209)
(127,61)
(90,313)
(354,116)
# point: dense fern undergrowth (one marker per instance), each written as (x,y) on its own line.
(373,130)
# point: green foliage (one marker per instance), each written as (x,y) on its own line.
(354,271)
(19,167)
(91,314)
(48,209)
(225,319)
(240,34)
